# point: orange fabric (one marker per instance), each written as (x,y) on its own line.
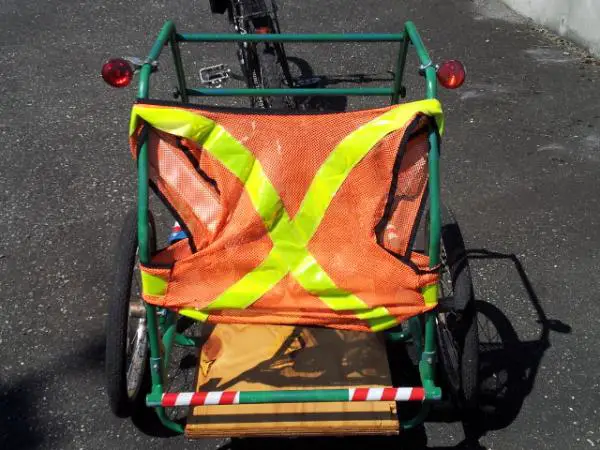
(231,239)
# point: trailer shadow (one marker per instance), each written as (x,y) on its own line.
(507,371)
(305,76)
(23,401)
(508,365)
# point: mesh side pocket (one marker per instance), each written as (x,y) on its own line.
(396,230)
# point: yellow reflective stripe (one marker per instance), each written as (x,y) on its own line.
(251,286)
(224,147)
(153,284)
(241,162)
(289,237)
(193,314)
(193,126)
(376,323)
(378,318)
(430,294)
(311,276)
(347,154)
(179,122)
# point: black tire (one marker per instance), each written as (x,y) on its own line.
(123,398)
(271,75)
(267,65)
(458,338)
(267,72)
(218,6)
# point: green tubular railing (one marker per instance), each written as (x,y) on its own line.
(340,395)
(169,36)
(290,37)
(224,92)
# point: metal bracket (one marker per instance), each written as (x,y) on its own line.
(155,364)
(428,357)
(423,67)
(137,62)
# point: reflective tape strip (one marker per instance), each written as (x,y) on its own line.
(169,399)
(315,280)
(405,394)
(347,154)
(251,286)
(289,252)
(177,121)
(194,314)
(374,394)
(290,237)
(386,394)
(358,394)
(184,399)
(242,163)
(213,398)
(171,120)
(153,284)
(389,394)
(430,294)
(378,318)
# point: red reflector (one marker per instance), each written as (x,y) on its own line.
(263,30)
(117,72)
(451,74)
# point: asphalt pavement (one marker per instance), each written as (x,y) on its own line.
(521,163)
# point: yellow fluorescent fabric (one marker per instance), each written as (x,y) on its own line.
(430,294)
(290,236)
(153,284)
(177,121)
(350,152)
(194,314)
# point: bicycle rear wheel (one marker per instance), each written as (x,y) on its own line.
(267,73)
(457,327)
(265,62)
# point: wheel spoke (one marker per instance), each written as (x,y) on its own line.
(137,358)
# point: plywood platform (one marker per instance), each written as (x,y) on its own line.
(250,357)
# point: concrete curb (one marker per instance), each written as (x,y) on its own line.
(577,20)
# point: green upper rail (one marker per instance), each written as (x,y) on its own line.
(231,92)
(290,37)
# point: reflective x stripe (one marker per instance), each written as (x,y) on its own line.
(290,237)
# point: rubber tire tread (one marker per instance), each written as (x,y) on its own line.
(116,321)
(271,74)
(464,302)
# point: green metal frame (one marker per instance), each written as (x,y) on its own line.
(164,320)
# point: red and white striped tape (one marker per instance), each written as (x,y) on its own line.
(233,397)
(201,398)
(405,394)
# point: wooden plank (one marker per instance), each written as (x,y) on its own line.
(252,357)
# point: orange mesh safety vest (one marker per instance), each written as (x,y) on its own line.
(292,219)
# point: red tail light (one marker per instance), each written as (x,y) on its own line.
(451,74)
(117,72)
